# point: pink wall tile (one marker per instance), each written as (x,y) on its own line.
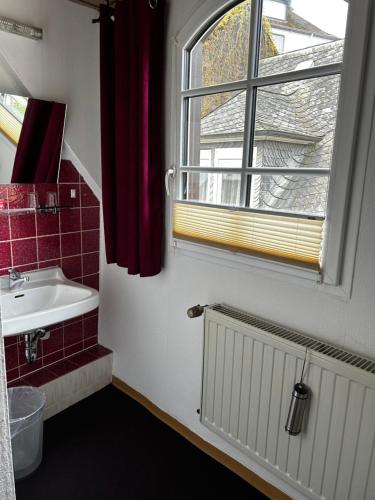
(90,327)
(82,358)
(24,251)
(27,368)
(10,340)
(47,224)
(73,349)
(54,343)
(90,241)
(90,342)
(88,198)
(49,247)
(22,226)
(53,358)
(13,374)
(73,333)
(70,220)
(68,173)
(65,195)
(5,255)
(90,263)
(39,378)
(70,244)
(11,357)
(49,263)
(72,266)
(63,367)
(4,227)
(90,218)
(92,280)
(26,267)
(44,240)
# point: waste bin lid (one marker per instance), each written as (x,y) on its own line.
(24,402)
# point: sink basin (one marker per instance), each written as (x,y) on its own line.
(48,298)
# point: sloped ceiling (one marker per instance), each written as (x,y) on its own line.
(89,3)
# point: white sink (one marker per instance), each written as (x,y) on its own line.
(48,298)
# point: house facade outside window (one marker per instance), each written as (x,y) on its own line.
(259,131)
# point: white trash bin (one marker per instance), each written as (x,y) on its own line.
(26,405)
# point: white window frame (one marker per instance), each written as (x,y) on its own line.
(343,154)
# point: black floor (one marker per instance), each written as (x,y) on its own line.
(108,447)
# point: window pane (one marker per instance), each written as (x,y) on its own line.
(221,55)
(295,123)
(312,32)
(218,189)
(215,130)
(292,193)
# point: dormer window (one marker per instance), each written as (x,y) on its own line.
(274,9)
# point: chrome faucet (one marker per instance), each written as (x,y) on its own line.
(16,280)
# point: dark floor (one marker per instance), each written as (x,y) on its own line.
(108,447)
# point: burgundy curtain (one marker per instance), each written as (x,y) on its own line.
(132,49)
(39,147)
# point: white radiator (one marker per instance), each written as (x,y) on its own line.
(250,367)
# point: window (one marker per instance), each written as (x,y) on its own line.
(279,41)
(12,112)
(258,132)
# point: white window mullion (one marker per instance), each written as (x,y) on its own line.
(249,126)
(262,81)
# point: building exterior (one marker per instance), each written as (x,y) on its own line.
(294,128)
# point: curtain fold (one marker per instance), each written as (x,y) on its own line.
(39,147)
(132,50)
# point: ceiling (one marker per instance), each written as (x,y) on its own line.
(90,3)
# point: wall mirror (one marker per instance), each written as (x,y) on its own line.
(31,135)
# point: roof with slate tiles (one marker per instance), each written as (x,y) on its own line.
(295,125)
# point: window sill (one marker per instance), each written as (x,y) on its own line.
(290,274)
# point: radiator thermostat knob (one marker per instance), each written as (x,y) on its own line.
(195,311)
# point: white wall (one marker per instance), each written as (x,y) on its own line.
(296,41)
(158,350)
(63,67)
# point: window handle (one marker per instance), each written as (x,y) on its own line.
(169,174)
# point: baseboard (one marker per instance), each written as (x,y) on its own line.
(253,479)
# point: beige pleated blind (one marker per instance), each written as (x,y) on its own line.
(9,125)
(278,237)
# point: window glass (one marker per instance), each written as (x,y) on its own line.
(295,123)
(313,30)
(216,125)
(221,55)
(217,189)
(301,194)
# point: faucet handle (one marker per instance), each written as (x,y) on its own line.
(14,274)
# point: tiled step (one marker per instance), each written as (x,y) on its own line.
(67,365)
(72,379)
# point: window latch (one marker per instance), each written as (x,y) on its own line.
(169,174)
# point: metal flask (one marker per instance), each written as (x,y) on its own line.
(300,397)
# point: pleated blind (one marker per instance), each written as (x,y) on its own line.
(9,125)
(287,239)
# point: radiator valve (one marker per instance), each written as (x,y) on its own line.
(195,311)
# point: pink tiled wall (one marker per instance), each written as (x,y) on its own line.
(70,240)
